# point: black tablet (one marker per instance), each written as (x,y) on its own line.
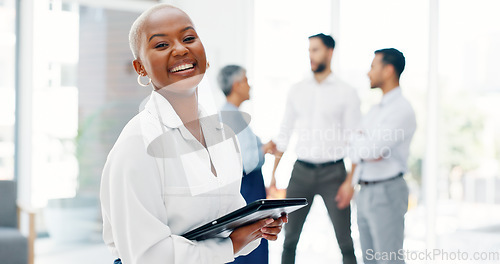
(253,212)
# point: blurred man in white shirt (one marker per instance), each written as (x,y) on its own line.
(321,110)
(380,149)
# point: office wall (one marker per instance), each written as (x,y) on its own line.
(108,93)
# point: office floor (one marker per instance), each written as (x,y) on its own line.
(478,232)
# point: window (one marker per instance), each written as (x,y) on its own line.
(7,87)
(282,30)
(55,104)
(468,68)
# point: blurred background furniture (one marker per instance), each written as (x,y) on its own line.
(15,248)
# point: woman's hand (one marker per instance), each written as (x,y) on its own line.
(271,231)
(265,228)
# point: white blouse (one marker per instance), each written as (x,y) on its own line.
(158,184)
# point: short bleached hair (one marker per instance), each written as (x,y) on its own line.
(134,36)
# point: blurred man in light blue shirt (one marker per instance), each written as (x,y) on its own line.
(251,146)
(234,84)
(380,149)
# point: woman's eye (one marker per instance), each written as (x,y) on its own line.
(188,39)
(161,45)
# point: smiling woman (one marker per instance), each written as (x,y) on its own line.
(167,34)
(149,198)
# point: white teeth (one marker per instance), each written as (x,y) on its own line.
(182,67)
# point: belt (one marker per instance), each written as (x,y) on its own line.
(361,182)
(319,165)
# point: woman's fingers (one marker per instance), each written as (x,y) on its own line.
(276,223)
(284,218)
(271,230)
(267,228)
(244,235)
(279,222)
(257,226)
(270,237)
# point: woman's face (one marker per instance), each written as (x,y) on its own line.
(171,52)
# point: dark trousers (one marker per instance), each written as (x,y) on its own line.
(306,182)
(253,188)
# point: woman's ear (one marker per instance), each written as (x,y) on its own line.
(138,67)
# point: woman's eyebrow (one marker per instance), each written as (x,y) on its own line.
(186,28)
(164,35)
(157,35)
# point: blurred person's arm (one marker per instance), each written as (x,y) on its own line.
(250,153)
(351,120)
(346,190)
(278,145)
(277,158)
(249,143)
(375,143)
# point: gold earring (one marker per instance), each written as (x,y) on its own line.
(208,64)
(139,80)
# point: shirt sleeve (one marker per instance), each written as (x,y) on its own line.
(249,149)
(351,121)
(249,143)
(261,153)
(287,124)
(135,219)
(377,141)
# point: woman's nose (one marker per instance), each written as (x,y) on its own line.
(179,50)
